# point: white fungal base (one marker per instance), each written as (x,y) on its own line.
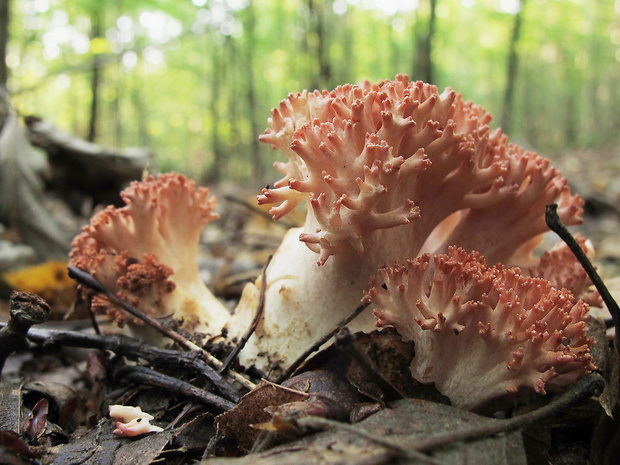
(302,302)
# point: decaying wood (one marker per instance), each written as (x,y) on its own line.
(25,310)
(135,350)
(81,168)
(22,205)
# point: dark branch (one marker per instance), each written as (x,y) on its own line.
(582,390)
(139,374)
(555,224)
(87,280)
(135,350)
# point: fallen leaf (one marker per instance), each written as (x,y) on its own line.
(405,424)
(36,419)
(235,424)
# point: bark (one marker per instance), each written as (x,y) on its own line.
(512,70)
(82,169)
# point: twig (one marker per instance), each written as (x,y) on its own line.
(86,279)
(146,375)
(555,224)
(317,345)
(397,449)
(134,350)
(254,209)
(26,310)
(257,316)
(582,390)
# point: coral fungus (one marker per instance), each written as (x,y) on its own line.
(388,170)
(147,252)
(481,332)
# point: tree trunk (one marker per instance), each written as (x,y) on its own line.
(4,37)
(319,45)
(511,70)
(325,68)
(257,165)
(95,81)
(217,170)
(423,68)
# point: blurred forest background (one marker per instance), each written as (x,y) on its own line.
(195,79)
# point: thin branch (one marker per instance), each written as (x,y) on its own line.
(317,345)
(585,388)
(257,317)
(134,349)
(555,224)
(396,449)
(140,374)
(86,279)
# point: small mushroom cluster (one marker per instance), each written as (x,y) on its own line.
(390,172)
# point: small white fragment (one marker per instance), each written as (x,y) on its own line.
(126,413)
(135,427)
(133,421)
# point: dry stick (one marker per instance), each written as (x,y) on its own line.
(317,345)
(254,209)
(141,374)
(259,313)
(88,280)
(134,349)
(555,224)
(584,389)
(25,310)
(396,449)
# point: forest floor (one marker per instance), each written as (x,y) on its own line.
(55,393)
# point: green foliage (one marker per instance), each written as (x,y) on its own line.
(196,81)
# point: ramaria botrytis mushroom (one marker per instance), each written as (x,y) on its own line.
(147,252)
(482,332)
(389,170)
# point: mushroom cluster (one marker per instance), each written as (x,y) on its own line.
(390,170)
(146,252)
(481,332)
